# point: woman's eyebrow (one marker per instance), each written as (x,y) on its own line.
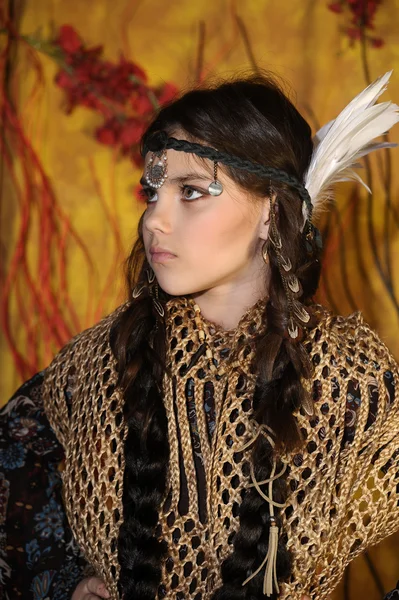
(182,178)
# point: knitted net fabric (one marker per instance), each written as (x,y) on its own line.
(343,484)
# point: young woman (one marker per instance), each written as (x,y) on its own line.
(220,436)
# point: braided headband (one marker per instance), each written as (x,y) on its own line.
(160,141)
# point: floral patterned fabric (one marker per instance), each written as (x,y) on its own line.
(38,557)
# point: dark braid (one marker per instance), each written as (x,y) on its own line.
(138,342)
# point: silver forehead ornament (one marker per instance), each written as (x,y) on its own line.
(157,169)
(157,172)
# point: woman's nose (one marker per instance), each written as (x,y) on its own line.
(159,215)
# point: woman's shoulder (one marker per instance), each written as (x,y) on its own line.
(355,373)
(85,361)
(24,426)
(331,324)
(92,340)
(348,338)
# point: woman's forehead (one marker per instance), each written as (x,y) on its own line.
(180,164)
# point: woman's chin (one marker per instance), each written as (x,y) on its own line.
(177,288)
(177,291)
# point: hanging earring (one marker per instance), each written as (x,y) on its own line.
(265,253)
(153,288)
(137,291)
(157,169)
(154,292)
(140,287)
(215,188)
(150,275)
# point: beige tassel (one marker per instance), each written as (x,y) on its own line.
(270,580)
(270,561)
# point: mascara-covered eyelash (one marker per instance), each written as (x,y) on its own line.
(183,188)
(145,191)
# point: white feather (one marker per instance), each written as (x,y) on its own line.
(339,144)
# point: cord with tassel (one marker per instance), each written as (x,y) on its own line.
(270,581)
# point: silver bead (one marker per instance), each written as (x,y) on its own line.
(215,188)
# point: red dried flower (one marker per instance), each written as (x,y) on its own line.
(362,17)
(64,80)
(117,91)
(167,93)
(336,7)
(131,133)
(69,40)
(377,42)
(141,103)
(353,33)
(108,133)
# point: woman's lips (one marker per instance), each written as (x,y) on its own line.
(161,256)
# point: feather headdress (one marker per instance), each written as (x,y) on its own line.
(341,142)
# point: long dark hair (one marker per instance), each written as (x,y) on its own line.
(251,118)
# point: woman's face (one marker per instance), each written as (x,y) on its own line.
(215,241)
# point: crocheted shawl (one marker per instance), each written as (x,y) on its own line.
(343,484)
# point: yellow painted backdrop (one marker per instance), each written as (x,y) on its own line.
(300,40)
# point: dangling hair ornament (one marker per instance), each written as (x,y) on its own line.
(153,289)
(337,148)
(215,188)
(297,314)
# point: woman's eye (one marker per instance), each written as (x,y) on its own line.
(149,194)
(190,193)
